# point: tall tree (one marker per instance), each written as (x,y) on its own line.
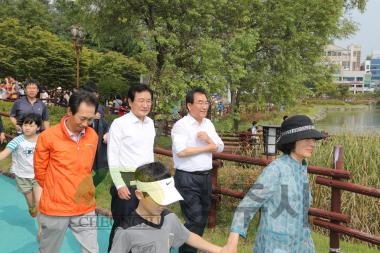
(30,52)
(268,49)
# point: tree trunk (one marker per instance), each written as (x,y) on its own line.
(235,103)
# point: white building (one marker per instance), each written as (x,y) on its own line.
(347,63)
(344,58)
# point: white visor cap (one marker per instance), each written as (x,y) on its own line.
(163,192)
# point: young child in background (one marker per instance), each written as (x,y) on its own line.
(22,147)
(152,228)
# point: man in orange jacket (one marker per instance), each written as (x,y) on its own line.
(63,161)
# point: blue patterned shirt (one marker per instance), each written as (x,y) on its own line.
(282,194)
(22,153)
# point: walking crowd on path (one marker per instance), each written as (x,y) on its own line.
(58,167)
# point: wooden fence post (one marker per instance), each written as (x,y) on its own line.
(216,164)
(336,198)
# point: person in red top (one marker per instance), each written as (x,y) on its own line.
(63,160)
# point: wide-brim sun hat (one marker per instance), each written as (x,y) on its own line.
(298,127)
(163,192)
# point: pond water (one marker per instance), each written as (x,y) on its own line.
(356,121)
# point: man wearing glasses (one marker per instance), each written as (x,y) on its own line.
(193,140)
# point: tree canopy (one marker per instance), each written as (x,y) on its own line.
(266,49)
(30,52)
(259,51)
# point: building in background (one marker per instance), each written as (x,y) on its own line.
(344,58)
(348,67)
(374,68)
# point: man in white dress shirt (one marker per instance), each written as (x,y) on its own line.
(193,140)
(130,145)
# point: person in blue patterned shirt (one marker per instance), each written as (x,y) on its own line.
(282,194)
(22,150)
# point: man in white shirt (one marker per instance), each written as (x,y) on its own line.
(130,145)
(193,140)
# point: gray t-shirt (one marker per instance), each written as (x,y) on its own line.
(139,235)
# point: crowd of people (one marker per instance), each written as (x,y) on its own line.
(11,89)
(57,168)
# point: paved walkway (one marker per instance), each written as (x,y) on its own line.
(18,230)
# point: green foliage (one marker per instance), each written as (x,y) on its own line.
(259,51)
(29,12)
(324,88)
(328,102)
(112,71)
(262,51)
(377,93)
(30,52)
(110,86)
(55,114)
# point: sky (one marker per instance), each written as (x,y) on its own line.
(368,35)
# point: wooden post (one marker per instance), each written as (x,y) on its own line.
(336,198)
(216,164)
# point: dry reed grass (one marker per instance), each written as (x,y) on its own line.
(361,157)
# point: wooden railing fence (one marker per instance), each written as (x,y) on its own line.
(331,177)
(332,219)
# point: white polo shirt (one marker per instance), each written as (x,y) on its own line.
(184,134)
(130,145)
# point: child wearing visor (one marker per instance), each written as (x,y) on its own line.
(152,228)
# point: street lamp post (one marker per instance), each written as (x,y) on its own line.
(77,33)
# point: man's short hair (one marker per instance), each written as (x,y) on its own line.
(138,88)
(31,82)
(82,96)
(190,94)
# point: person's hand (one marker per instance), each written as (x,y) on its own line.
(18,129)
(2,138)
(97,115)
(212,147)
(203,136)
(105,138)
(228,249)
(232,243)
(124,193)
